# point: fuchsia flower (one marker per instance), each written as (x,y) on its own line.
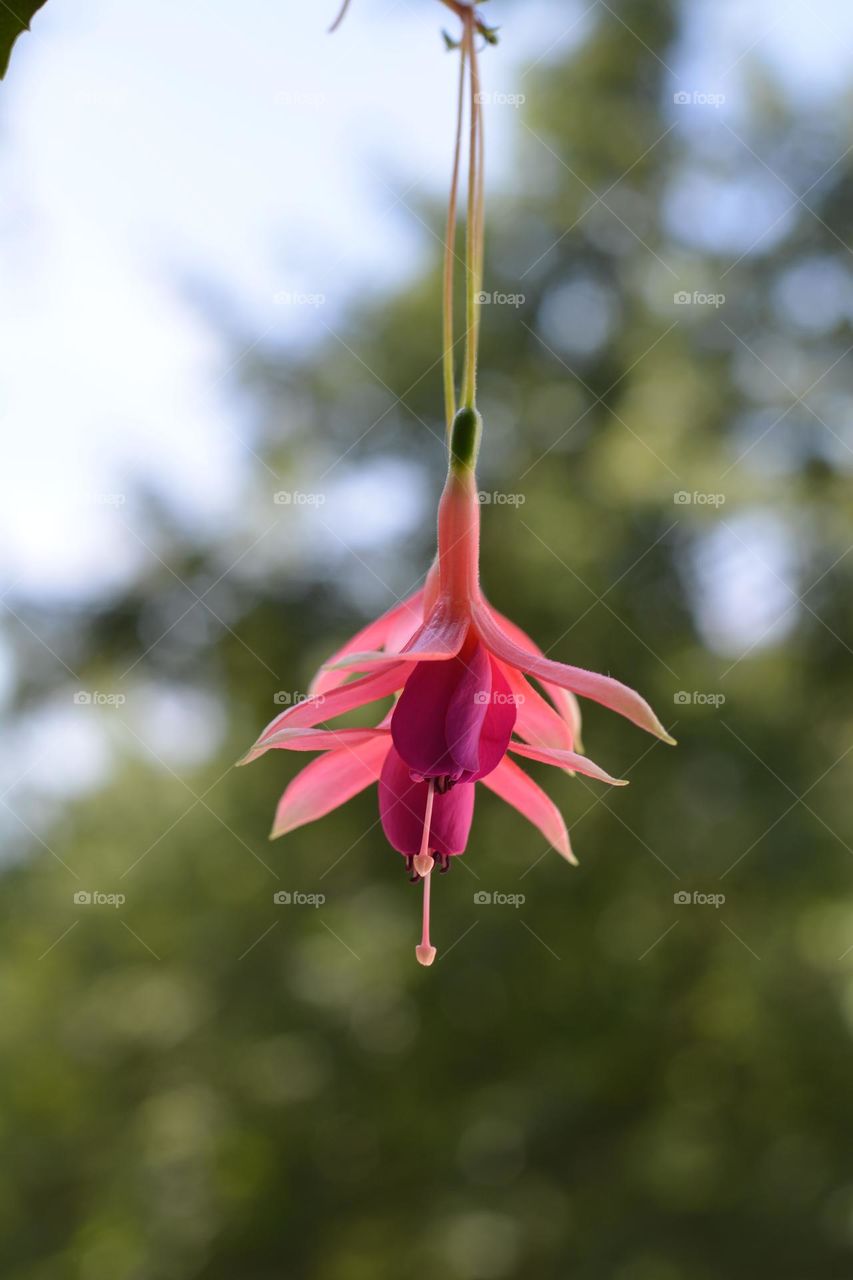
(462,672)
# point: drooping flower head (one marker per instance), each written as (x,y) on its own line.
(460,671)
(465,706)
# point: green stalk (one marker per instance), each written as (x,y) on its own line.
(473,231)
(450,256)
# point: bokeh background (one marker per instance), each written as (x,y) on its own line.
(220,244)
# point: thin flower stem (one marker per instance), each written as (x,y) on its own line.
(472,26)
(450,255)
(480,227)
(473,235)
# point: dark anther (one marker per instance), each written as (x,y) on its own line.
(410,858)
(444,862)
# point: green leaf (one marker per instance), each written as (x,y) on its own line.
(14,18)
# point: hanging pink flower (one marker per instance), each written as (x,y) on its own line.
(460,671)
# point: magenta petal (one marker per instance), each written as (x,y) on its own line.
(402,805)
(418,722)
(497,725)
(467,709)
(455,718)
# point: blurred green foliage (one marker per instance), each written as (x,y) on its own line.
(601,1083)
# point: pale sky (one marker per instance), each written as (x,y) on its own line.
(143,145)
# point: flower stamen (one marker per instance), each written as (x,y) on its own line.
(425,952)
(423,864)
